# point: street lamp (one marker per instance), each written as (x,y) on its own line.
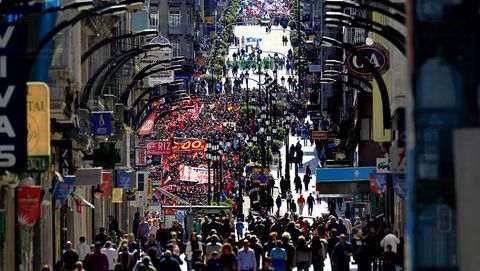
(208,155)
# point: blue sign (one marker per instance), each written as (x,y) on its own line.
(218,86)
(13,96)
(63,190)
(380,181)
(124,180)
(345,174)
(259,51)
(102,123)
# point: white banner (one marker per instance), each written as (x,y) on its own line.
(193,174)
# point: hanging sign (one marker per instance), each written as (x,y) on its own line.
(13,96)
(117,195)
(28,204)
(63,190)
(124,179)
(158,147)
(374,58)
(102,123)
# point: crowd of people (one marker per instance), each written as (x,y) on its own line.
(260,243)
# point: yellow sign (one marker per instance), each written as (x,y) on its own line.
(209,19)
(117,195)
(311,37)
(38,119)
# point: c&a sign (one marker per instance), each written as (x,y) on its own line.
(363,60)
(13,96)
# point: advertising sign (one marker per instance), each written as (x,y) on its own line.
(378,182)
(383,165)
(65,156)
(105,186)
(13,96)
(155,56)
(148,124)
(320,135)
(400,185)
(117,195)
(161,77)
(159,147)
(140,156)
(124,179)
(28,204)
(376,57)
(63,190)
(191,144)
(209,19)
(102,123)
(38,119)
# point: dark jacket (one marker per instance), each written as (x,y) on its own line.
(169,263)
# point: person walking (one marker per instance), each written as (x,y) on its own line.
(168,262)
(192,245)
(97,260)
(143,230)
(319,253)
(228,261)
(239,226)
(246,258)
(302,258)
(306,181)
(279,257)
(301,204)
(289,199)
(82,249)
(310,202)
(341,254)
(278,202)
(111,255)
(69,257)
(298,184)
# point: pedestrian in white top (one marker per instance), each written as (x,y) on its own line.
(82,249)
(348,224)
(390,239)
(111,255)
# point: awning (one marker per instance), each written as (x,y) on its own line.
(77,196)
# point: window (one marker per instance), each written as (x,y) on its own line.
(154,20)
(174,18)
(175,48)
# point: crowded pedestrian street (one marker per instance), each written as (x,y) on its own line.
(239,135)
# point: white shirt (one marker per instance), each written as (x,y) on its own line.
(348,225)
(82,249)
(390,239)
(111,253)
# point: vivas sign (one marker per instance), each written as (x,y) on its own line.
(13,96)
(375,59)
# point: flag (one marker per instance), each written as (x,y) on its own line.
(147,126)
(237,107)
(229,107)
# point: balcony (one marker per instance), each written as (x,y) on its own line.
(180,30)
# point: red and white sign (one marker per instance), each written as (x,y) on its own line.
(159,147)
(319,135)
(197,174)
(28,204)
(148,125)
(140,156)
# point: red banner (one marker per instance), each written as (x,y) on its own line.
(158,147)
(105,186)
(28,204)
(148,125)
(190,145)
